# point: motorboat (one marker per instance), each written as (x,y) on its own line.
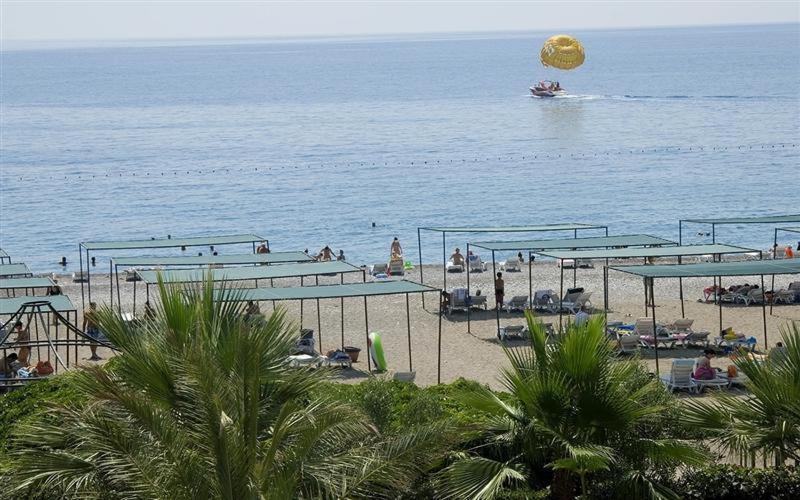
(546,88)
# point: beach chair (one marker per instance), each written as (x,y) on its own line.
(306,344)
(379,268)
(512,332)
(458,300)
(738,295)
(478,301)
(754,296)
(512,265)
(543,301)
(475,264)
(516,303)
(716,382)
(397,268)
(644,328)
(680,325)
(451,267)
(696,339)
(629,344)
(585,263)
(680,375)
(794,287)
(573,305)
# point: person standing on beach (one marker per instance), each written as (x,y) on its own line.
(396,250)
(23,336)
(91,328)
(499,290)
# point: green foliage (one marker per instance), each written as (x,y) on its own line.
(394,406)
(202,404)
(32,402)
(766,422)
(575,409)
(728,482)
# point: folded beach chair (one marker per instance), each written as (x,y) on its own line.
(629,344)
(512,265)
(305,344)
(458,300)
(543,301)
(376,269)
(450,267)
(579,301)
(478,301)
(516,303)
(397,268)
(680,375)
(475,264)
(585,263)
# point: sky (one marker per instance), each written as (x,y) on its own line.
(29,20)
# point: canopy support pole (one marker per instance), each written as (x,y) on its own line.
(419,248)
(680,292)
(764,312)
(560,300)
(469,296)
(444,260)
(111,283)
(720,307)
(530,281)
(680,232)
(574,265)
(713,233)
(301,305)
(341,308)
(88,278)
(772,302)
(119,299)
(497,304)
(605,294)
(134,298)
(319,320)
(408,331)
(80,259)
(645,297)
(439,347)
(655,327)
(366,335)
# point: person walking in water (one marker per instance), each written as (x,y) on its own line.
(499,290)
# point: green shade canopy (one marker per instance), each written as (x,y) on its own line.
(19,283)
(768,219)
(515,229)
(173,242)
(201,260)
(630,240)
(3,254)
(60,303)
(14,270)
(249,273)
(627,253)
(331,291)
(788,229)
(715,269)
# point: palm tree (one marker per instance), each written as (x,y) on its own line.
(575,409)
(766,422)
(202,405)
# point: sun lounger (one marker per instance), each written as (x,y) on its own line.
(478,301)
(716,382)
(737,343)
(543,301)
(680,375)
(512,265)
(629,344)
(450,267)
(379,268)
(516,303)
(699,339)
(475,264)
(515,331)
(305,344)
(579,301)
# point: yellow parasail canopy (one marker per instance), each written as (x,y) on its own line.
(562,52)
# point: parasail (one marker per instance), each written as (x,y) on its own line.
(562,52)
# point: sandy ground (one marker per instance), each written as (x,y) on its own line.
(478,354)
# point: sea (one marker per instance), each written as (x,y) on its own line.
(349,142)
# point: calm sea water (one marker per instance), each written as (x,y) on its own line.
(309,142)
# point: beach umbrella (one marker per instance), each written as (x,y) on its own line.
(562,52)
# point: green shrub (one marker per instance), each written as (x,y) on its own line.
(31,401)
(730,482)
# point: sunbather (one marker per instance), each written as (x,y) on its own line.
(457,258)
(396,250)
(704,371)
(326,254)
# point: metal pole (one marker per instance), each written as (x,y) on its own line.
(772,302)
(80,258)
(439,349)
(366,334)
(680,291)
(319,320)
(419,247)
(497,305)
(88,277)
(119,300)
(110,281)
(341,307)
(655,328)
(408,327)
(444,261)
(680,232)
(713,233)
(530,280)
(469,295)
(764,311)
(134,297)
(720,307)
(560,300)
(605,293)
(301,305)
(645,297)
